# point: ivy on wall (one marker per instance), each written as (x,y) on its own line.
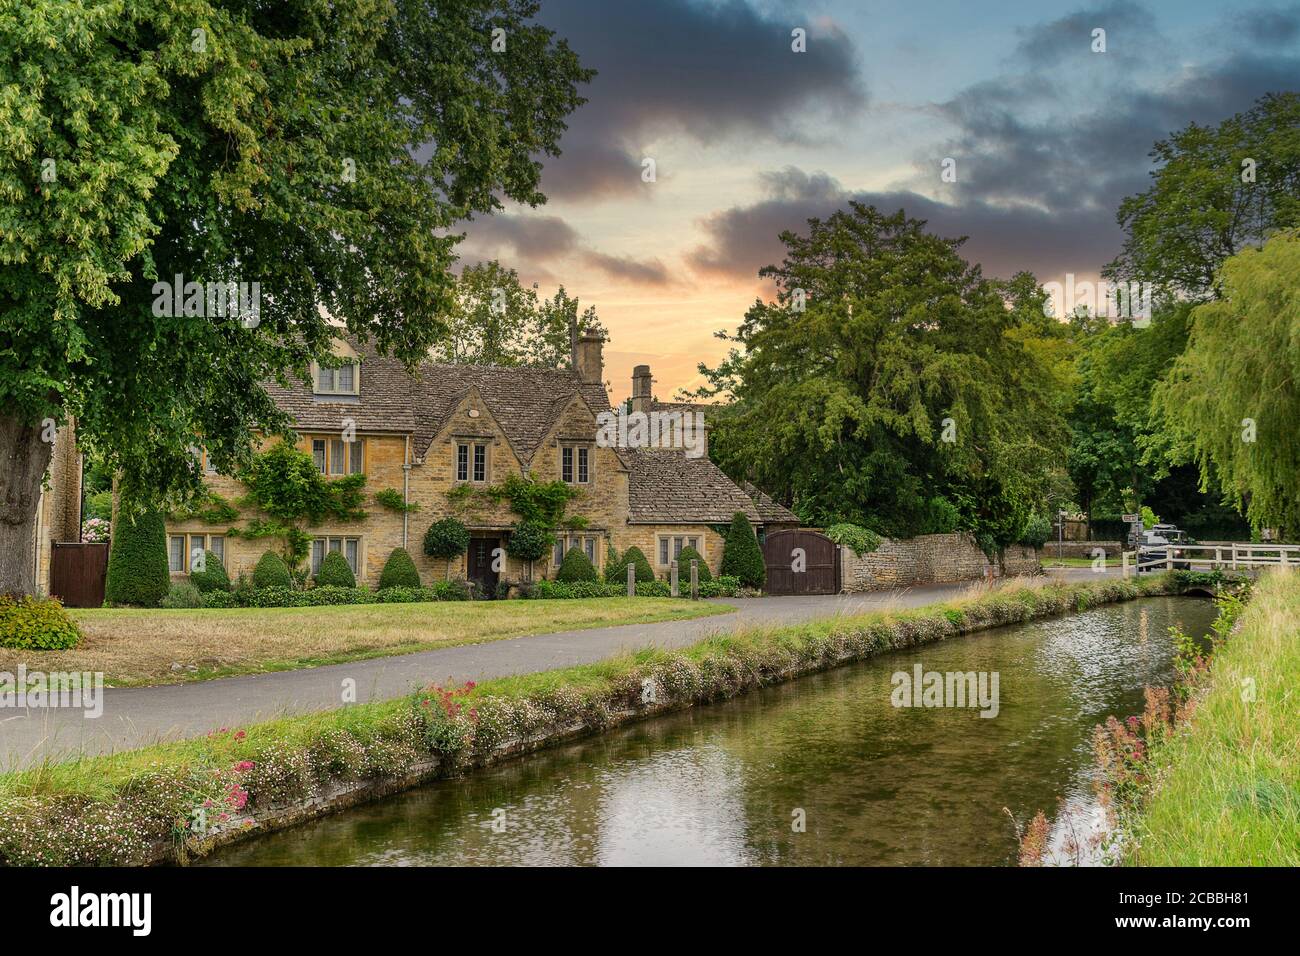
(536,502)
(211,508)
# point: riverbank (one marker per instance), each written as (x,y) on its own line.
(1227,789)
(166,802)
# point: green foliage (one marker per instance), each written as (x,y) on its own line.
(32,623)
(330,595)
(235,162)
(100,505)
(1234,394)
(391,499)
(541,502)
(1038,529)
(271,572)
(575,567)
(1201,210)
(446,538)
(1149,518)
(182,594)
(213,577)
(861,540)
(496,320)
(209,508)
(840,407)
(137,560)
(741,556)
(335,572)
(616,569)
(529,541)
(684,566)
(399,571)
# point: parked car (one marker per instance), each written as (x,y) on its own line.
(1156,547)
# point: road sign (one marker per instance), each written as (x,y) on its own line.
(1130,519)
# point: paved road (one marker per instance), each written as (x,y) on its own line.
(136,716)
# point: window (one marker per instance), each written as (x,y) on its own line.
(176,553)
(335,457)
(185,552)
(557,556)
(217,545)
(586,543)
(670,546)
(350,548)
(589,548)
(477,453)
(575,464)
(338,381)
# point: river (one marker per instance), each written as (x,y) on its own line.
(824,770)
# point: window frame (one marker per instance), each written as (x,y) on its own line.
(471,465)
(319,373)
(324,544)
(673,544)
(580,463)
(352,452)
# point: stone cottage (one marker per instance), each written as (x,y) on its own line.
(442,437)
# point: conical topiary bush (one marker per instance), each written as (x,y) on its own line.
(137,560)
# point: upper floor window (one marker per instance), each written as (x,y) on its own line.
(343,380)
(471,461)
(334,456)
(575,464)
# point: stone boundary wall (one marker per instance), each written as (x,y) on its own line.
(928,559)
(1081,549)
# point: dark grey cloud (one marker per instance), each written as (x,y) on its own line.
(1272,28)
(708,70)
(1131,35)
(534,244)
(1004,240)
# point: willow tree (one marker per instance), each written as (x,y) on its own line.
(323,149)
(1234,393)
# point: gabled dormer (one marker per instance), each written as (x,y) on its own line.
(335,382)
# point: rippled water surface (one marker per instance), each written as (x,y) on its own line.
(720,784)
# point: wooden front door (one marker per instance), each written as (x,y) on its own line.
(479,562)
(801,562)
(77,572)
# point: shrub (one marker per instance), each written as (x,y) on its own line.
(576,566)
(741,555)
(617,573)
(861,540)
(446,538)
(182,594)
(335,573)
(529,541)
(137,561)
(213,577)
(271,572)
(684,566)
(33,623)
(1036,532)
(399,571)
(221,598)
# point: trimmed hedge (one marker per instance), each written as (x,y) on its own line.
(334,572)
(741,555)
(616,570)
(399,571)
(575,567)
(561,590)
(684,566)
(446,538)
(34,623)
(325,596)
(213,577)
(271,572)
(137,561)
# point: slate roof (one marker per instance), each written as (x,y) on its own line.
(666,487)
(524,401)
(769,510)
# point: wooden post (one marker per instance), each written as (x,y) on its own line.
(1169,557)
(1234,556)
(695,579)
(1218,556)
(673,583)
(1123,562)
(631,580)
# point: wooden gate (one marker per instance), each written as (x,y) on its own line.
(77,572)
(815,571)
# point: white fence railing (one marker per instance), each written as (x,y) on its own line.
(1208,557)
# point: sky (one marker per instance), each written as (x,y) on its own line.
(750,138)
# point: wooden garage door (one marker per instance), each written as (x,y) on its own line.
(77,573)
(801,562)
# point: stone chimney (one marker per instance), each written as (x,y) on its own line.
(588,360)
(642,389)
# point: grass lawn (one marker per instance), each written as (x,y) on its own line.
(1050,561)
(133,647)
(1229,791)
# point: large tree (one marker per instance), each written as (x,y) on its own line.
(325,149)
(1216,190)
(889,382)
(1234,394)
(495,320)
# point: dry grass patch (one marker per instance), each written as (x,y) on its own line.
(140,646)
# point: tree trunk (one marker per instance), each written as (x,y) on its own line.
(24,457)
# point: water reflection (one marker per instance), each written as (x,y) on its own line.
(718,785)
